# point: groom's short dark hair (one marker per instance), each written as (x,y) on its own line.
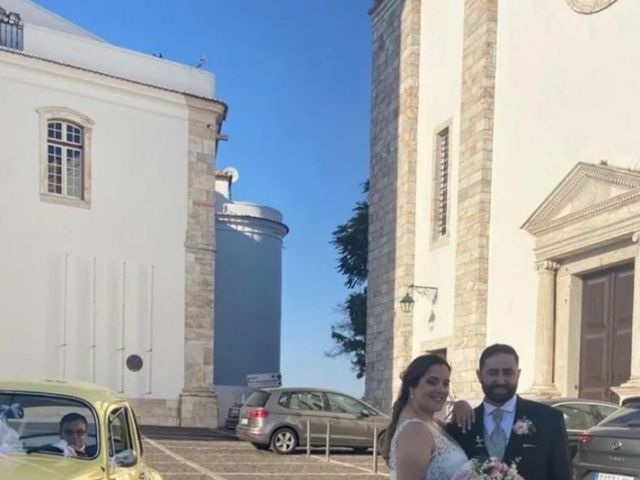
(496,349)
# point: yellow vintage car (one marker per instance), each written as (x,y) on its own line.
(58,429)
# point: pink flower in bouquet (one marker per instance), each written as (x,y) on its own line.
(491,469)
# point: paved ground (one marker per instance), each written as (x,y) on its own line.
(197,454)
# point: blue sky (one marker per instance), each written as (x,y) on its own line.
(296,76)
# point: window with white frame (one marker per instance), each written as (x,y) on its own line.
(441,185)
(65,157)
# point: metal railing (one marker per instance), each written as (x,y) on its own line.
(327,445)
(11,30)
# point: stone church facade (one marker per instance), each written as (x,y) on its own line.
(504,192)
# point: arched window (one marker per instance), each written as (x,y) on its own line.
(65,157)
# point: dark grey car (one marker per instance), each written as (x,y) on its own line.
(611,450)
(580,415)
(233,413)
(277,419)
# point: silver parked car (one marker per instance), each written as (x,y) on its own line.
(611,449)
(277,419)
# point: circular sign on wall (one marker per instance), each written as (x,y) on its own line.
(134,362)
(589,6)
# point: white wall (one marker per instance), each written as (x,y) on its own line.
(49,36)
(137,215)
(439,102)
(34,14)
(106,58)
(566,91)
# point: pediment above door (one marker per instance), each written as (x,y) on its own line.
(593,203)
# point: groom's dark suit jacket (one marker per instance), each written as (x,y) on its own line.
(540,455)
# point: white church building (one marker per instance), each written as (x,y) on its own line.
(106,216)
(505,192)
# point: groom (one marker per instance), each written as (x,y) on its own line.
(511,428)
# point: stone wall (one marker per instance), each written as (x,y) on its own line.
(396,54)
(474,191)
(156,411)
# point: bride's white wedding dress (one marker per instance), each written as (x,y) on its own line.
(447,460)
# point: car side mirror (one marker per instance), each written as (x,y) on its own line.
(365,413)
(126,458)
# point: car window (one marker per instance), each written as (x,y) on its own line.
(605,410)
(306,401)
(258,399)
(47,424)
(343,404)
(623,417)
(578,416)
(284,400)
(120,438)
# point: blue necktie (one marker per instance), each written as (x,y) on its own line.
(497,441)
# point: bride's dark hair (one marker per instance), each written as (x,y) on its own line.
(410,378)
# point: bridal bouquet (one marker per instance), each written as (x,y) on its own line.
(491,469)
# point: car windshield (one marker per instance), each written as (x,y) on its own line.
(48,424)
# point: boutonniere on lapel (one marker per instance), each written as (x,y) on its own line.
(524,426)
(479,441)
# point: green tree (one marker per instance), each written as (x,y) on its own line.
(351,241)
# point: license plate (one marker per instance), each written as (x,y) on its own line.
(611,476)
(245,421)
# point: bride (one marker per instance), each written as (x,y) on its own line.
(416,446)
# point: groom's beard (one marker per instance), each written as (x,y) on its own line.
(499,394)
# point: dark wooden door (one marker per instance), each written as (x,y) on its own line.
(605,345)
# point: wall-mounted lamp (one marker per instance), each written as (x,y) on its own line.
(406,304)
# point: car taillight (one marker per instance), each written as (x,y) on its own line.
(585,438)
(259,413)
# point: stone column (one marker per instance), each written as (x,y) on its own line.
(198,404)
(543,385)
(631,388)
(392,194)
(474,192)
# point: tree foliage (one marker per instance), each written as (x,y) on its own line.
(351,241)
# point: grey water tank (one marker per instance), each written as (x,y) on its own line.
(247,299)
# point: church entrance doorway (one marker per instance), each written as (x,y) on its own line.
(605,343)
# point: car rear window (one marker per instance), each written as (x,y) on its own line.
(623,417)
(258,399)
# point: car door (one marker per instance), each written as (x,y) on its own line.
(302,406)
(122,444)
(351,425)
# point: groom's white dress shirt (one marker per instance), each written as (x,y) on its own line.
(509,409)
